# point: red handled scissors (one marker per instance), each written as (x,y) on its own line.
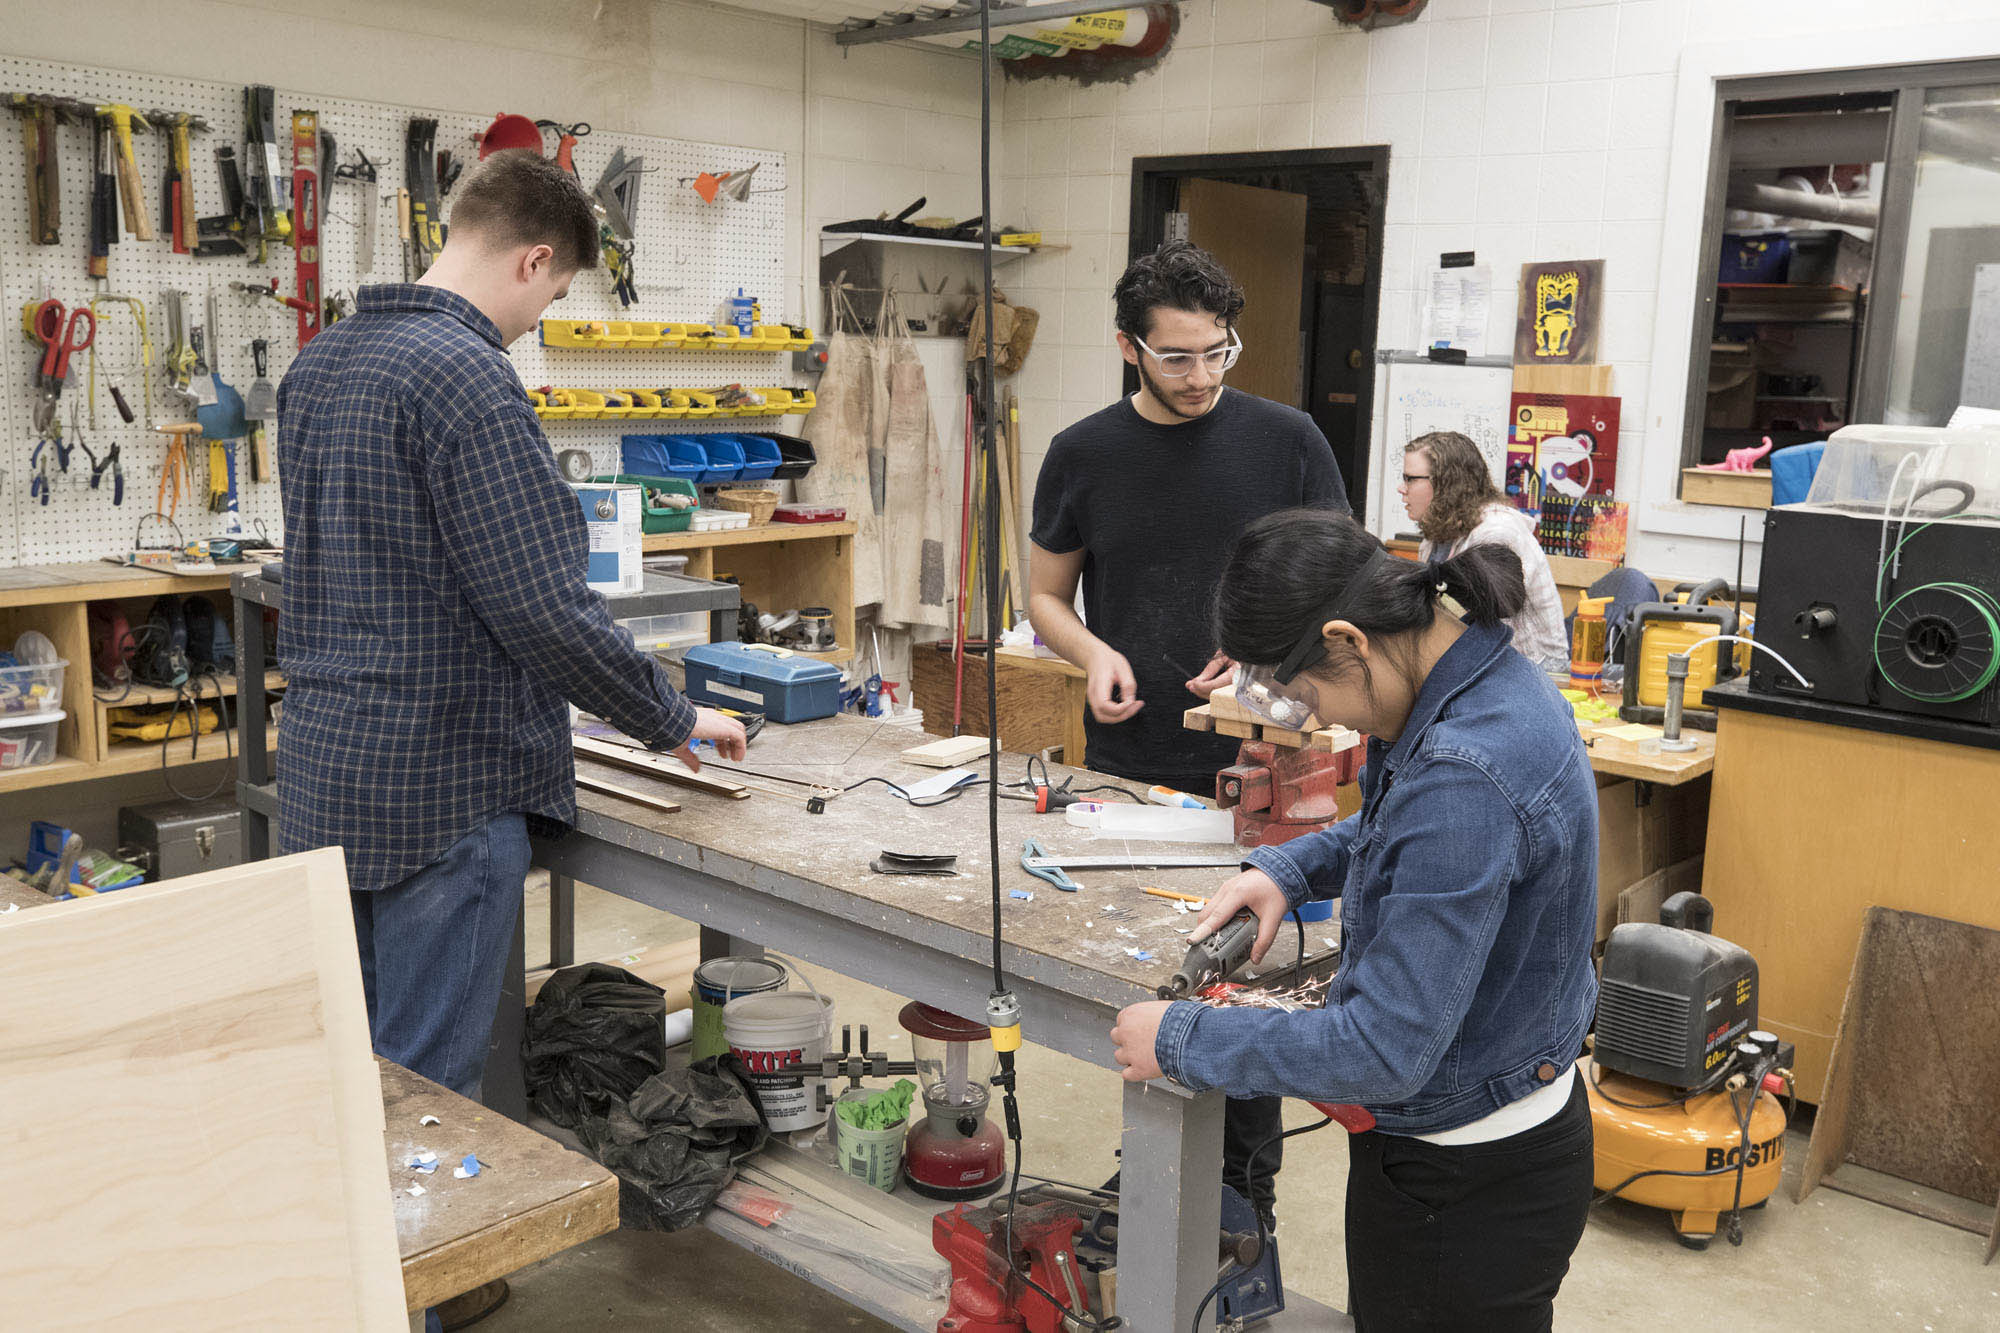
(61,341)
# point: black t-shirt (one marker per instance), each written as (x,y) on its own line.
(1156,509)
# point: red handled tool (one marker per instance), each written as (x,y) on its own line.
(60,342)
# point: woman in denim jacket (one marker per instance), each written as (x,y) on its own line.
(1468,904)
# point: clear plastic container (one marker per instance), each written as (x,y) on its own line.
(32,687)
(29,740)
(1924,472)
(680,629)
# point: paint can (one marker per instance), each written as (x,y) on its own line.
(716,983)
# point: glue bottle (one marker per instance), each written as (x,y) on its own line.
(1168,796)
(743,313)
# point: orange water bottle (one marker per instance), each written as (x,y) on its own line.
(1586,644)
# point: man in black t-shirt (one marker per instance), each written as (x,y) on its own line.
(1141,503)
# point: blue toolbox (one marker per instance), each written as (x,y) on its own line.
(782,685)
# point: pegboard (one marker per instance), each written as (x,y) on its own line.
(690,257)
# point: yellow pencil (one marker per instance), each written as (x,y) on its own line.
(1169,893)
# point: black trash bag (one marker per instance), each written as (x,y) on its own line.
(675,1143)
(594,1034)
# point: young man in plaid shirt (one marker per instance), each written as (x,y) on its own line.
(436,621)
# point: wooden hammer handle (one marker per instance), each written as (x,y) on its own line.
(129,193)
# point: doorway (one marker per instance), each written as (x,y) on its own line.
(1301,232)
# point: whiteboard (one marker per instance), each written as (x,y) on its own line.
(1423,396)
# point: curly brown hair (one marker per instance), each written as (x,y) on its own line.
(1461,487)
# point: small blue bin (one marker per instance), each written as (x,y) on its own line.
(1754,256)
(761,457)
(725,457)
(780,684)
(664,456)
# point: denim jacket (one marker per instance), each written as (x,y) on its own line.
(1468,888)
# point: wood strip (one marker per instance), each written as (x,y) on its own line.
(656,766)
(660,803)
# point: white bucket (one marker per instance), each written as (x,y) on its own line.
(770,1031)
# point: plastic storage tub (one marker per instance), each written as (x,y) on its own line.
(797,455)
(678,457)
(776,682)
(32,687)
(725,459)
(28,740)
(656,518)
(1754,256)
(678,629)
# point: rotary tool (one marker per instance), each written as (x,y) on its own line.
(1214,958)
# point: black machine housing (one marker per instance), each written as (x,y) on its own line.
(1818,609)
(1673,1000)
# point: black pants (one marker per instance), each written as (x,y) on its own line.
(1248,1123)
(1477,1237)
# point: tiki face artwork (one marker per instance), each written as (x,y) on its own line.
(1555,312)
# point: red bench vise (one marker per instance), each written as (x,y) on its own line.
(986,1296)
(1279,793)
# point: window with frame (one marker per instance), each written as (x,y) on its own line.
(1850,257)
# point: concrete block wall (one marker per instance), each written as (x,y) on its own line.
(1521,129)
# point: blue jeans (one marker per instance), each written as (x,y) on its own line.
(434,950)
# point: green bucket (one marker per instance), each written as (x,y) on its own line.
(716,983)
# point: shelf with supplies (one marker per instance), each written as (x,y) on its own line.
(621,404)
(623,335)
(57,600)
(201,689)
(779,567)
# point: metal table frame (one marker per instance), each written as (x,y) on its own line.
(1172,1140)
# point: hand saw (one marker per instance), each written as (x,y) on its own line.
(362,172)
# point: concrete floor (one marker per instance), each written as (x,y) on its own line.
(1833,1263)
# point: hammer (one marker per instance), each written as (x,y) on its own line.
(177,204)
(130,191)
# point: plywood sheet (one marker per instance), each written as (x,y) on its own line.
(196,1114)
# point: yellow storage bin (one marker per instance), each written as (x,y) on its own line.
(696,403)
(645,402)
(572,333)
(554,405)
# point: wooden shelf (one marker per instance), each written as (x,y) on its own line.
(831,241)
(141,696)
(1736,490)
(754,534)
(144,756)
(52,774)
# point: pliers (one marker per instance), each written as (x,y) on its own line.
(38,463)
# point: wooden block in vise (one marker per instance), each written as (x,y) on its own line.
(1222,704)
(1198,719)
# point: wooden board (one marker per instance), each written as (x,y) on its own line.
(1035,712)
(1333,740)
(1913,1084)
(659,766)
(753,535)
(588,782)
(1260,237)
(198,1128)
(1591,381)
(93,580)
(1614,756)
(949,752)
(1739,490)
(532,1198)
(1810,826)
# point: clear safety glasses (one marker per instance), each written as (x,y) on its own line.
(1180,365)
(1290,706)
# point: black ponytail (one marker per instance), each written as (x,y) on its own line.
(1290,569)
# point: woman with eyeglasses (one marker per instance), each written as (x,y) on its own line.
(1451,496)
(1467,885)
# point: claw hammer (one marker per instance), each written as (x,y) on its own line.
(130,192)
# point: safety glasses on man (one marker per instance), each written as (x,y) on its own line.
(1180,365)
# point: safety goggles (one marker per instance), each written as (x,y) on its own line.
(1180,365)
(1276,694)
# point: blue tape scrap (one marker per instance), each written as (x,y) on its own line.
(1022,894)
(467,1167)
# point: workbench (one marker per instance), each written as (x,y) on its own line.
(539,1199)
(1822,811)
(764,873)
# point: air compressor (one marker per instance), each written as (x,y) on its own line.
(1685,1090)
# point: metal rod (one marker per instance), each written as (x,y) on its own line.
(893,31)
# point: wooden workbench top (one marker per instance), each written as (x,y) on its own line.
(532,1198)
(773,840)
(89,581)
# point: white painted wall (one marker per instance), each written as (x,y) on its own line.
(864,131)
(1522,129)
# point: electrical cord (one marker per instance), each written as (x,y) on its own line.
(1263,1234)
(189,694)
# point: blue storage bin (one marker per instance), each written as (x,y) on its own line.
(725,457)
(780,684)
(761,457)
(675,456)
(1754,256)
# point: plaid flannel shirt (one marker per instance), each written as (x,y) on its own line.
(436,616)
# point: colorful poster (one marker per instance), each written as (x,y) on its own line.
(1557,318)
(1563,446)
